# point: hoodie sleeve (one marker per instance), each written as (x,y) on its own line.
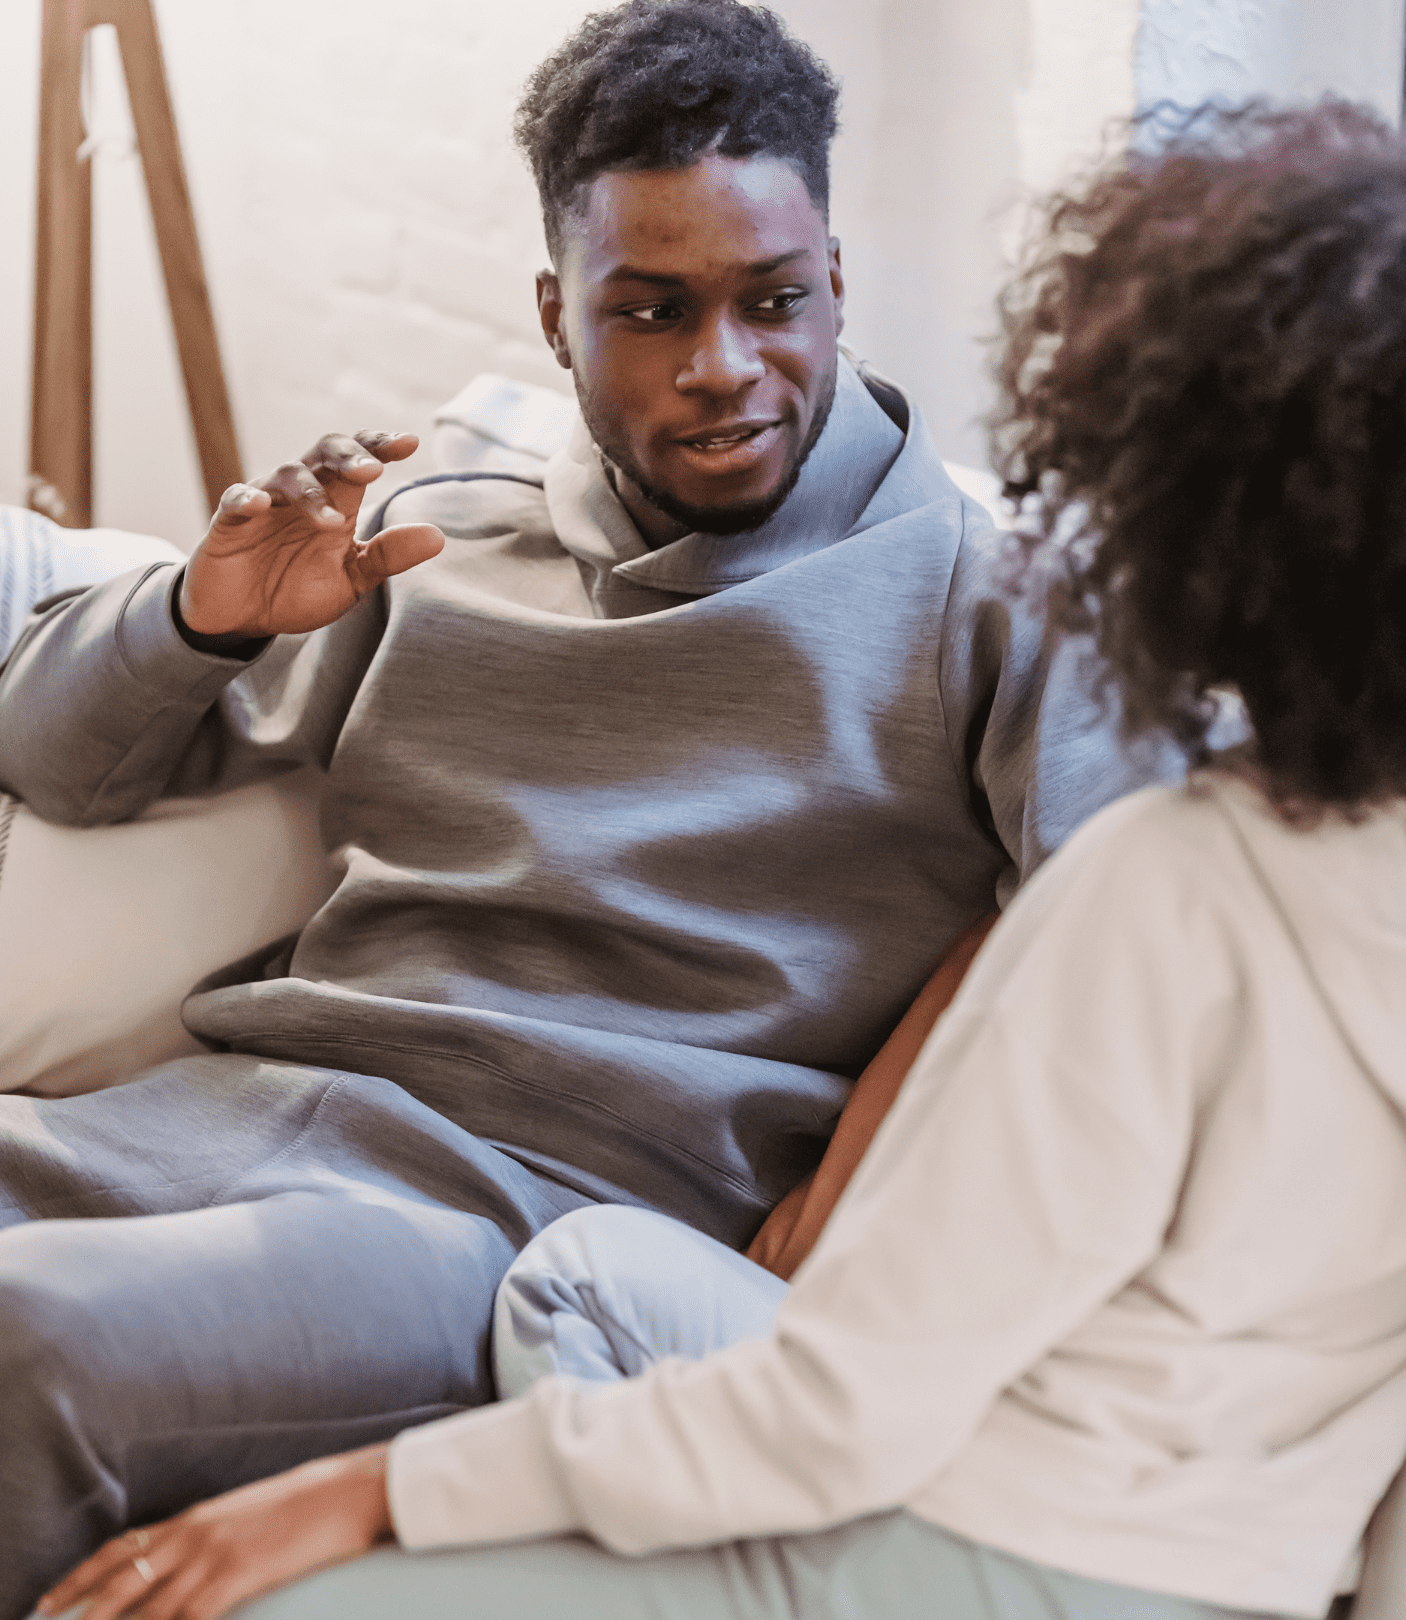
(1030,728)
(104,706)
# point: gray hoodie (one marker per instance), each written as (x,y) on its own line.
(646,851)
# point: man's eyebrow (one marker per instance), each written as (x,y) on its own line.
(626,272)
(652,278)
(764,267)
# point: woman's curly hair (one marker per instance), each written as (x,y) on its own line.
(1205,376)
(654,84)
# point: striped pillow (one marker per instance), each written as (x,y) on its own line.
(38,559)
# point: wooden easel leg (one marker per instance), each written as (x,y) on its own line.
(186,291)
(61,404)
(61,410)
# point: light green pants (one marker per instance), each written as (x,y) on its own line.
(891,1567)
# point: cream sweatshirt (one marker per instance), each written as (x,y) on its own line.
(1120,1286)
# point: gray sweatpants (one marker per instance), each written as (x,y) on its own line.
(602,1294)
(302,1262)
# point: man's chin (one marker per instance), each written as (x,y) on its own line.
(734,518)
(731,517)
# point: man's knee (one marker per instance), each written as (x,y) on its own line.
(566,1300)
(50,1341)
(607,1291)
(603,1245)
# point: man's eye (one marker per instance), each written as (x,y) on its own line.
(779,303)
(654,312)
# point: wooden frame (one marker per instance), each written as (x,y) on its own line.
(61,404)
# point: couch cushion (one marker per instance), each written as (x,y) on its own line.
(103,930)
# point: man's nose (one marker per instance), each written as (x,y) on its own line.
(723,361)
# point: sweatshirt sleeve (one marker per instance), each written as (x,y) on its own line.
(1030,728)
(104,706)
(1027,1172)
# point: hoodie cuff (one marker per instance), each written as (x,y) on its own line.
(153,650)
(486,1475)
(235,646)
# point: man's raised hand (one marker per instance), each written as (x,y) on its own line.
(281,555)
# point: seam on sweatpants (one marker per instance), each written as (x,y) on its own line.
(284,1151)
(46,1211)
(528,1086)
(52,1210)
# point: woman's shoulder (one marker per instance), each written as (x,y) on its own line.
(1153,876)
(1221,817)
(1177,833)
(1216,847)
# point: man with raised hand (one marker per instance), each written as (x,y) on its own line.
(660,789)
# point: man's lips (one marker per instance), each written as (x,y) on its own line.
(729,447)
(724,435)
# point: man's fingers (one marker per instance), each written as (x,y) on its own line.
(388,446)
(329,482)
(241,502)
(394,550)
(358,456)
(337,456)
(296,484)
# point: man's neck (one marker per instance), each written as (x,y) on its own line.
(656,528)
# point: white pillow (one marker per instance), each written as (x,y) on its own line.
(103,930)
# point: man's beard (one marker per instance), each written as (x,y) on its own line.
(735,519)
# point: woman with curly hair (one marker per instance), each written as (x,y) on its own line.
(1110,1322)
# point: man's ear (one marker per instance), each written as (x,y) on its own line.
(550,311)
(837,284)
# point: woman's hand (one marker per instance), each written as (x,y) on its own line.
(221,1553)
(281,554)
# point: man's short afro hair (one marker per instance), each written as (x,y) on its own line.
(656,84)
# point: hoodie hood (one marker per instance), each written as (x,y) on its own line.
(1341,890)
(863,470)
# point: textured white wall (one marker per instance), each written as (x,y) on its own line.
(954,114)
(1289,50)
(19,69)
(371,235)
